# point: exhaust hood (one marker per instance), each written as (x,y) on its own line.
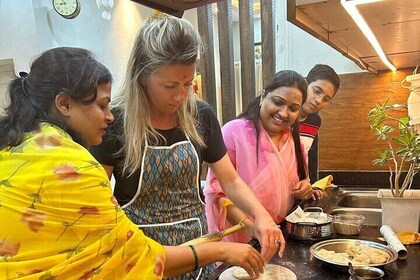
(174,7)
(395,24)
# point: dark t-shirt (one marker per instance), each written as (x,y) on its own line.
(309,136)
(126,187)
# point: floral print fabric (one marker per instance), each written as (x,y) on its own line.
(59,219)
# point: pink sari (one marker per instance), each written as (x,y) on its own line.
(272,179)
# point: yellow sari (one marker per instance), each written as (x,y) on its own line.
(59,219)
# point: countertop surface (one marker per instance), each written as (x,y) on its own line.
(298,258)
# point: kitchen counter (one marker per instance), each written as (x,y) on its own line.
(298,258)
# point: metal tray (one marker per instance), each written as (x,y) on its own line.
(341,245)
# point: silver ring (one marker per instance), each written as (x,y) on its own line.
(276,241)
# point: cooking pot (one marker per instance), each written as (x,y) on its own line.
(312,231)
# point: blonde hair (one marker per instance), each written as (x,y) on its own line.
(162,41)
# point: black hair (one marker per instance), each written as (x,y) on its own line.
(284,78)
(324,72)
(73,71)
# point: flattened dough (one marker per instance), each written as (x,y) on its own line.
(271,272)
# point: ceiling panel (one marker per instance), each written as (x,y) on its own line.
(395,23)
(174,7)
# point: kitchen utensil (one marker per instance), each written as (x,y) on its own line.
(214,236)
(312,231)
(341,245)
(348,223)
(353,275)
(365,272)
(393,241)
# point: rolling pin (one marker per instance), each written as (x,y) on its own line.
(214,236)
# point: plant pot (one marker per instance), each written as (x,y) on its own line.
(413,101)
(400,213)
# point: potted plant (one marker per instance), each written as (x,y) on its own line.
(402,156)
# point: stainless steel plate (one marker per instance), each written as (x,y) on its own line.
(341,245)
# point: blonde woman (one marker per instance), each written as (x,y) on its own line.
(162,134)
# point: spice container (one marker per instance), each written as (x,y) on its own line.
(348,224)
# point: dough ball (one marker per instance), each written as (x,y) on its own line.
(241,273)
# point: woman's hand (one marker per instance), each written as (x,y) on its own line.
(302,190)
(317,194)
(270,237)
(182,259)
(244,256)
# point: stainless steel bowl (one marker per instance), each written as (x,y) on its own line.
(341,245)
(367,272)
(308,231)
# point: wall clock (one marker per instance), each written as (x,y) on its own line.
(67,8)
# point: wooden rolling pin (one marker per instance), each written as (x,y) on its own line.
(214,236)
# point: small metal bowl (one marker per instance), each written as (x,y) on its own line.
(368,272)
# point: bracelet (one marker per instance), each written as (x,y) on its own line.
(195,256)
(243,219)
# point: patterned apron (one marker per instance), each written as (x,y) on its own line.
(167,205)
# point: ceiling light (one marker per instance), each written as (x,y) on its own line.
(350,7)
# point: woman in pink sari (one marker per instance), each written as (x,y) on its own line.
(264,146)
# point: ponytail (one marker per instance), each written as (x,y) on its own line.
(21,114)
(301,165)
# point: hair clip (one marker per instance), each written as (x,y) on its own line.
(24,77)
(157,15)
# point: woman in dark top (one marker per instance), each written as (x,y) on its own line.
(162,134)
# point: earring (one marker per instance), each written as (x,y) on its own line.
(67,108)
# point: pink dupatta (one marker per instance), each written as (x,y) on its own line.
(271,179)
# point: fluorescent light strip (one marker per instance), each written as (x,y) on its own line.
(350,7)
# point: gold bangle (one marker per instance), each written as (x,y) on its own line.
(243,219)
(195,256)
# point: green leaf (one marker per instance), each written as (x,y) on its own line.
(6,183)
(19,148)
(35,196)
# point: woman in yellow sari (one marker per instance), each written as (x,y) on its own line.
(58,217)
